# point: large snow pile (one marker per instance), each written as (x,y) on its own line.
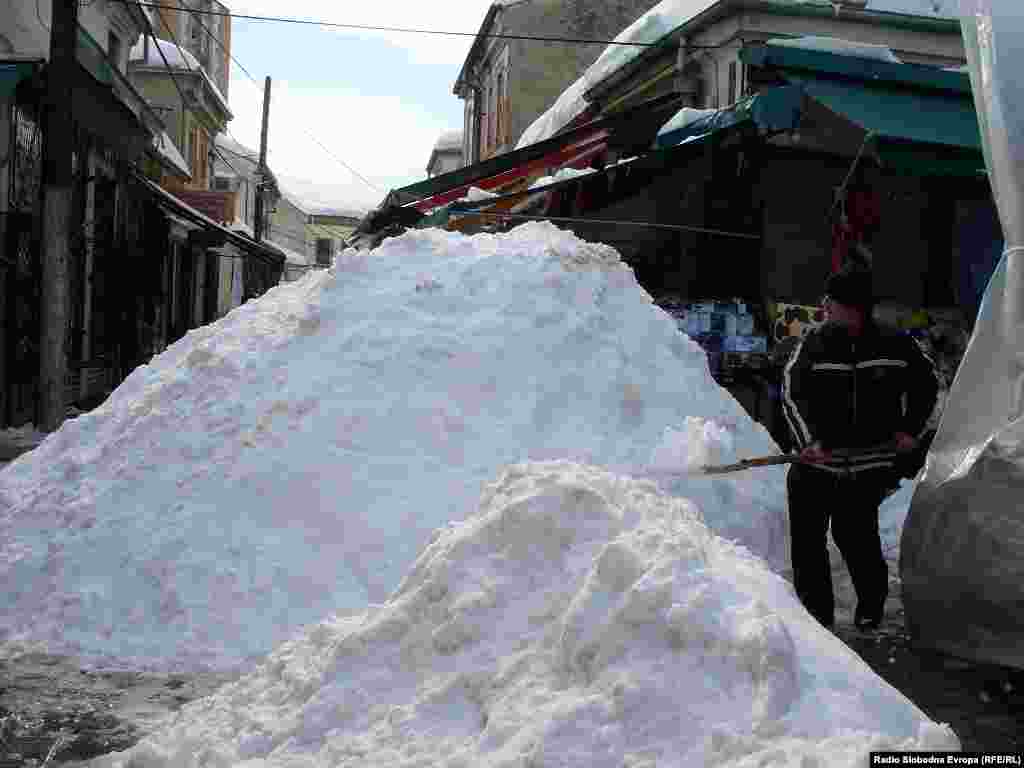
(292,459)
(658,22)
(576,618)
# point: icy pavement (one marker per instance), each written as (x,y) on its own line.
(577,618)
(291,460)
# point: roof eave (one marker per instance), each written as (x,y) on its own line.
(723,8)
(474,50)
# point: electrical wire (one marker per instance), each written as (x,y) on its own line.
(256,83)
(612,222)
(412,30)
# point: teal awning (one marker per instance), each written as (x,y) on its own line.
(929,117)
(771,110)
(12,73)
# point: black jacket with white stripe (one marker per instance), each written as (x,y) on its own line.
(854,393)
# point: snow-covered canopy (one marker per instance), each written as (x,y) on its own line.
(684,117)
(178,57)
(660,21)
(561,175)
(838,46)
(449,141)
(166,148)
(291,256)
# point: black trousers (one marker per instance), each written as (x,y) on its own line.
(850,503)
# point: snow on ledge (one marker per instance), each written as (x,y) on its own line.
(839,46)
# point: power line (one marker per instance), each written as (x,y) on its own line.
(255,82)
(612,222)
(411,30)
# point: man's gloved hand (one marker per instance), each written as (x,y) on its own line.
(815,453)
(905,443)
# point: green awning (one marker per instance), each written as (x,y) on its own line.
(915,131)
(12,73)
(929,117)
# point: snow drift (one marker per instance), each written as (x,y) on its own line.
(576,618)
(291,460)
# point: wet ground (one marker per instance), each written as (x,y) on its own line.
(982,703)
(48,704)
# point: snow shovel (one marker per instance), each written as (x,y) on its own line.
(785,458)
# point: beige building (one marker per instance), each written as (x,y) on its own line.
(162,71)
(446,155)
(700,57)
(207,36)
(507,83)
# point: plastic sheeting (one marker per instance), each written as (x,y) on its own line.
(962,552)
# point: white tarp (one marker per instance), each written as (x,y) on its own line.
(962,562)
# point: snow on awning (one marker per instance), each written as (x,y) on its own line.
(170,155)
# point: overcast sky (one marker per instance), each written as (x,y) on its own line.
(378,101)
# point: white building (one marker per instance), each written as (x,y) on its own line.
(447,154)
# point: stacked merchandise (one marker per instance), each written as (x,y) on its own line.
(725,329)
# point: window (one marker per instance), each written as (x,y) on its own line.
(732,82)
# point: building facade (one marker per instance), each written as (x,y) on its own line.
(113,129)
(328,231)
(143,266)
(289,222)
(203,28)
(192,106)
(507,83)
(446,155)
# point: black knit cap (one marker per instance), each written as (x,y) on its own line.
(852,286)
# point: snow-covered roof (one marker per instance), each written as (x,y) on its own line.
(243,159)
(177,58)
(168,151)
(292,257)
(662,20)
(449,140)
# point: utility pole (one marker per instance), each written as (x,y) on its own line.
(58,139)
(258,229)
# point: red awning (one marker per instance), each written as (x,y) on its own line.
(578,151)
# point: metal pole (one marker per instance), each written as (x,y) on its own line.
(260,187)
(58,139)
